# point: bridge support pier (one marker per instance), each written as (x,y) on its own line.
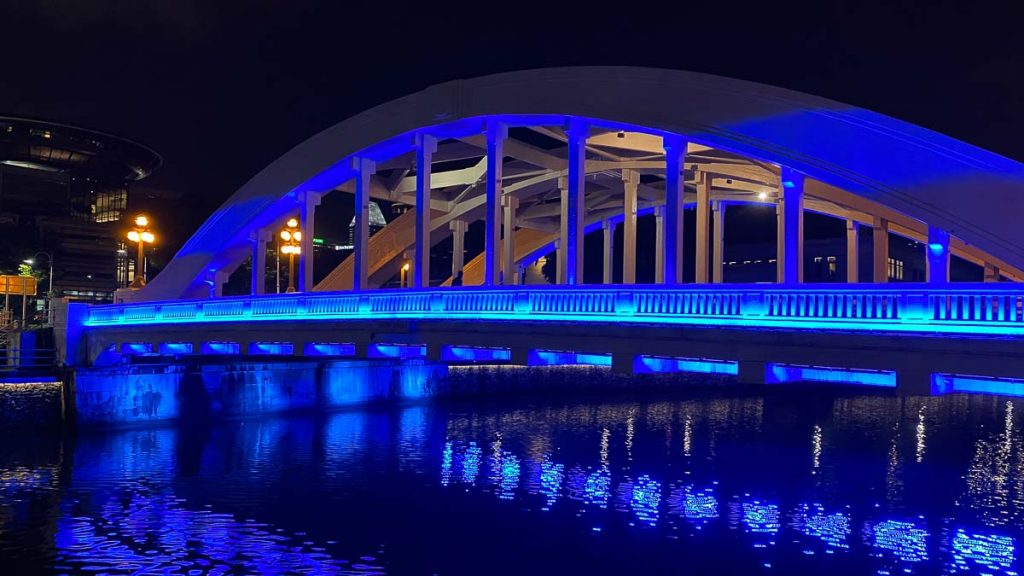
(364,170)
(659,242)
(717,241)
(790,232)
(307,212)
(937,256)
(508,248)
(672,241)
(458,228)
(496,133)
(425,147)
(576,211)
(630,181)
(259,262)
(703,228)
(852,252)
(880,250)
(608,228)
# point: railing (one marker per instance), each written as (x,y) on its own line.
(970,308)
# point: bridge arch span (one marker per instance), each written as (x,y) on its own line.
(578,130)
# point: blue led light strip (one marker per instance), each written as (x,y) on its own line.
(783,373)
(968,309)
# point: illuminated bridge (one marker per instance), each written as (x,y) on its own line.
(540,160)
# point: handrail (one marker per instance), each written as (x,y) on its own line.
(977,308)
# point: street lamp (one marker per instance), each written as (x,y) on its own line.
(292,238)
(141,235)
(49,292)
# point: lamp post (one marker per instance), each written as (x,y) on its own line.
(141,235)
(49,292)
(292,238)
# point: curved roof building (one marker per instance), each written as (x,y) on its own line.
(552,154)
(63,190)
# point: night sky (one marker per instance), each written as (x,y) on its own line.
(221,89)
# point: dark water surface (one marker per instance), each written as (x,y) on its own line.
(792,481)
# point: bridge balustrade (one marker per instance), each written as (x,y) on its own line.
(892,305)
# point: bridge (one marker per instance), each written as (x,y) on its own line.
(538,161)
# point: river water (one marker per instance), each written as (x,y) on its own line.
(784,481)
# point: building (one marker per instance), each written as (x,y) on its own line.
(63,193)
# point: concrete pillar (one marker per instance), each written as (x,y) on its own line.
(672,246)
(991,272)
(308,201)
(717,241)
(426,145)
(364,170)
(560,260)
(576,213)
(790,234)
(259,262)
(937,256)
(458,228)
(630,182)
(659,243)
(703,228)
(563,228)
(496,133)
(880,250)
(217,280)
(852,252)
(608,229)
(508,248)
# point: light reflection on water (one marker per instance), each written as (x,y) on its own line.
(782,484)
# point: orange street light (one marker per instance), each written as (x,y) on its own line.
(292,238)
(141,235)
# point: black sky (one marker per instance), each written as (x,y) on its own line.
(221,89)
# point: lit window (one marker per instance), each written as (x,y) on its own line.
(895,269)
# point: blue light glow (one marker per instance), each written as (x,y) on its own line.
(936,248)
(471,463)
(852,307)
(446,464)
(175,347)
(554,358)
(271,348)
(646,499)
(905,540)
(510,473)
(783,373)
(975,553)
(470,354)
(700,505)
(551,477)
(136,348)
(657,364)
(403,351)
(329,349)
(952,383)
(832,529)
(597,489)
(761,517)
(221,348)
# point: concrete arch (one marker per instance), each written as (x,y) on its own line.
(927,177)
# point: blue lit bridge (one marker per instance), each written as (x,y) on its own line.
(542,159)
